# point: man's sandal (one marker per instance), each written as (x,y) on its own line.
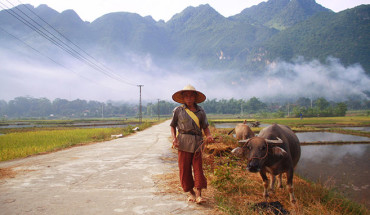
(191,198)
(200,200)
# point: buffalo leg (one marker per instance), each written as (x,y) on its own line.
(272,183)
(280,181)
(265,183)
(290,185)
(273,179)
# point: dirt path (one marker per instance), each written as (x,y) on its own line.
(114,177)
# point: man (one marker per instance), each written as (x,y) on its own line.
(190,120)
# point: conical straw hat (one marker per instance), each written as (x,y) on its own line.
(178,97)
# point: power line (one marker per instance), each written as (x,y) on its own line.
(60,64)
(59,43)
(94,62)
(58,32)
(63,45)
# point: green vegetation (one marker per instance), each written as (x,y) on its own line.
(81,110)
(323,121)
(22,144)
(323,35)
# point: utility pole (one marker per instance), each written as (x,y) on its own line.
(241,109)
(102,110)
(140,111)
(158,109)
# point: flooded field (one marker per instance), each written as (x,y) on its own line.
(328,136)
(343,167)
(357,128)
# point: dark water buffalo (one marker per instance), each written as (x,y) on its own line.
(242,131)
(276,150)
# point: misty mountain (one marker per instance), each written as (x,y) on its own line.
(205,36)
(124,32)
(281,14)
(339,35)
(246,43)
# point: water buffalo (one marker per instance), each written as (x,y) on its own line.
(276,150)
(242,131)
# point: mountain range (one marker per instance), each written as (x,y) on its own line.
(246,42)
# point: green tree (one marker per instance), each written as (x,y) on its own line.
(321,103)
(303,102)
(340,109)
(253,105)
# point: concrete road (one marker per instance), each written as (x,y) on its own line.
(113,177)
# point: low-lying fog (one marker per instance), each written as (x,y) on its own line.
(70,79)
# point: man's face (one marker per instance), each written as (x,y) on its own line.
(189,97)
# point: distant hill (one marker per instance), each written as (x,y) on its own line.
(341,35)
(246,42)
(281,14)
(205,36)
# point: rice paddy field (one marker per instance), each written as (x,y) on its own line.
(23,142)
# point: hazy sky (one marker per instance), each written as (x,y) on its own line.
(89,10)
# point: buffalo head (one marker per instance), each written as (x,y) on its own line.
(256,150)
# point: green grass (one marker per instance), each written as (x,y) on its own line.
(23,144)
(348,120)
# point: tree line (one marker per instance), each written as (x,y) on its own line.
(28,107)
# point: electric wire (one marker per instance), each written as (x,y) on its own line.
(63,46)
(33,27)
(34,49)
(59,43)
(66,38)
(70,48)
(67,48)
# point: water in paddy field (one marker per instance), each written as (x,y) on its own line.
(328,136)
(343,167)
(357,128)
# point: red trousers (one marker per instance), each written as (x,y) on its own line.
(186,161)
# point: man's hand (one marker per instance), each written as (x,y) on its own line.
(175,143)
(209,139)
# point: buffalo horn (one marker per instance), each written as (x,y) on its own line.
(231,131)
(243,141)
(278,141)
